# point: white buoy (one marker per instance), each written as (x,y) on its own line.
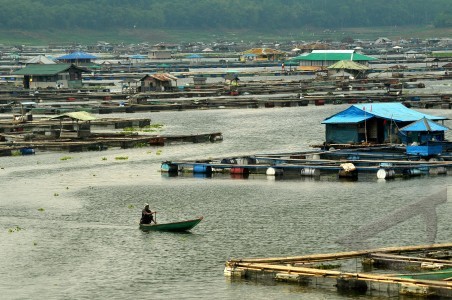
(274,172)
(437,171)
(385,174)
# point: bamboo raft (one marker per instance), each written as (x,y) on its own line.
(323,270)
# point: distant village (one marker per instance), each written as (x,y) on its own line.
(126,66)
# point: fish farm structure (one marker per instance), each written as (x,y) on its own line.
(412,270)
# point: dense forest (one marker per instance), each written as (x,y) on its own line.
(211,14)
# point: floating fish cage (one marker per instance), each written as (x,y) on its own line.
(311,165)
(423,270)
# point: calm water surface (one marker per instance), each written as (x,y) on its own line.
(69,228)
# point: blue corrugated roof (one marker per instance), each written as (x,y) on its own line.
(77,55)
(424,125)
(392,111)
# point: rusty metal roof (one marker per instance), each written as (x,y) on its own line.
(160,77)
(263,51)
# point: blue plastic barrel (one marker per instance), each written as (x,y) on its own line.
(202,169)
(27,151)
(170,168)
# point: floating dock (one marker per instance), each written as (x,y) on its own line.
(341,163)
(103,142)
(415,270)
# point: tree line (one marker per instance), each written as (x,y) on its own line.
(221,14)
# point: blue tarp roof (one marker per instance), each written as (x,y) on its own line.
(77,55)
(138,56)
(392,111)
(423,125)
(194,56)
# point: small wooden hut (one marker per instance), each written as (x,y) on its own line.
(157,82)
(75,124)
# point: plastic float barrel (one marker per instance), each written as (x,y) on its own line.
(348,171)
(233,272)
(310,172)
(246,161)
(348,174)
(27,151)
(202,169)
(242,161)
(241,171)
(437,171)
(274,172)
(157,141)
(385,174)
(168,168)
(231,161)
(412,172)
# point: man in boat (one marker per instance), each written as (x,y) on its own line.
(147,215)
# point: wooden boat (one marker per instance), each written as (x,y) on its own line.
(175,226)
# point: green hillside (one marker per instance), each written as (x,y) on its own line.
(32,21)
(208,14)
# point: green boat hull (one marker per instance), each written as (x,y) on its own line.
(175,227)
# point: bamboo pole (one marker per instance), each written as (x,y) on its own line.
(338,274)
(342,255)
(409,258)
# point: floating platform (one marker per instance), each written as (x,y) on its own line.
(414,270)
(341,163)
(99,142)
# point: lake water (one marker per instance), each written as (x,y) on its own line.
(69,221)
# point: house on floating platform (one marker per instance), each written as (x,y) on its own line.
(424,138)
(321,59)
(375,123)
(74,124)
(157,82)
(163,51)
(262,54)
(159,54)
(341,67)
(77,58)
(42,76)
(40,59)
